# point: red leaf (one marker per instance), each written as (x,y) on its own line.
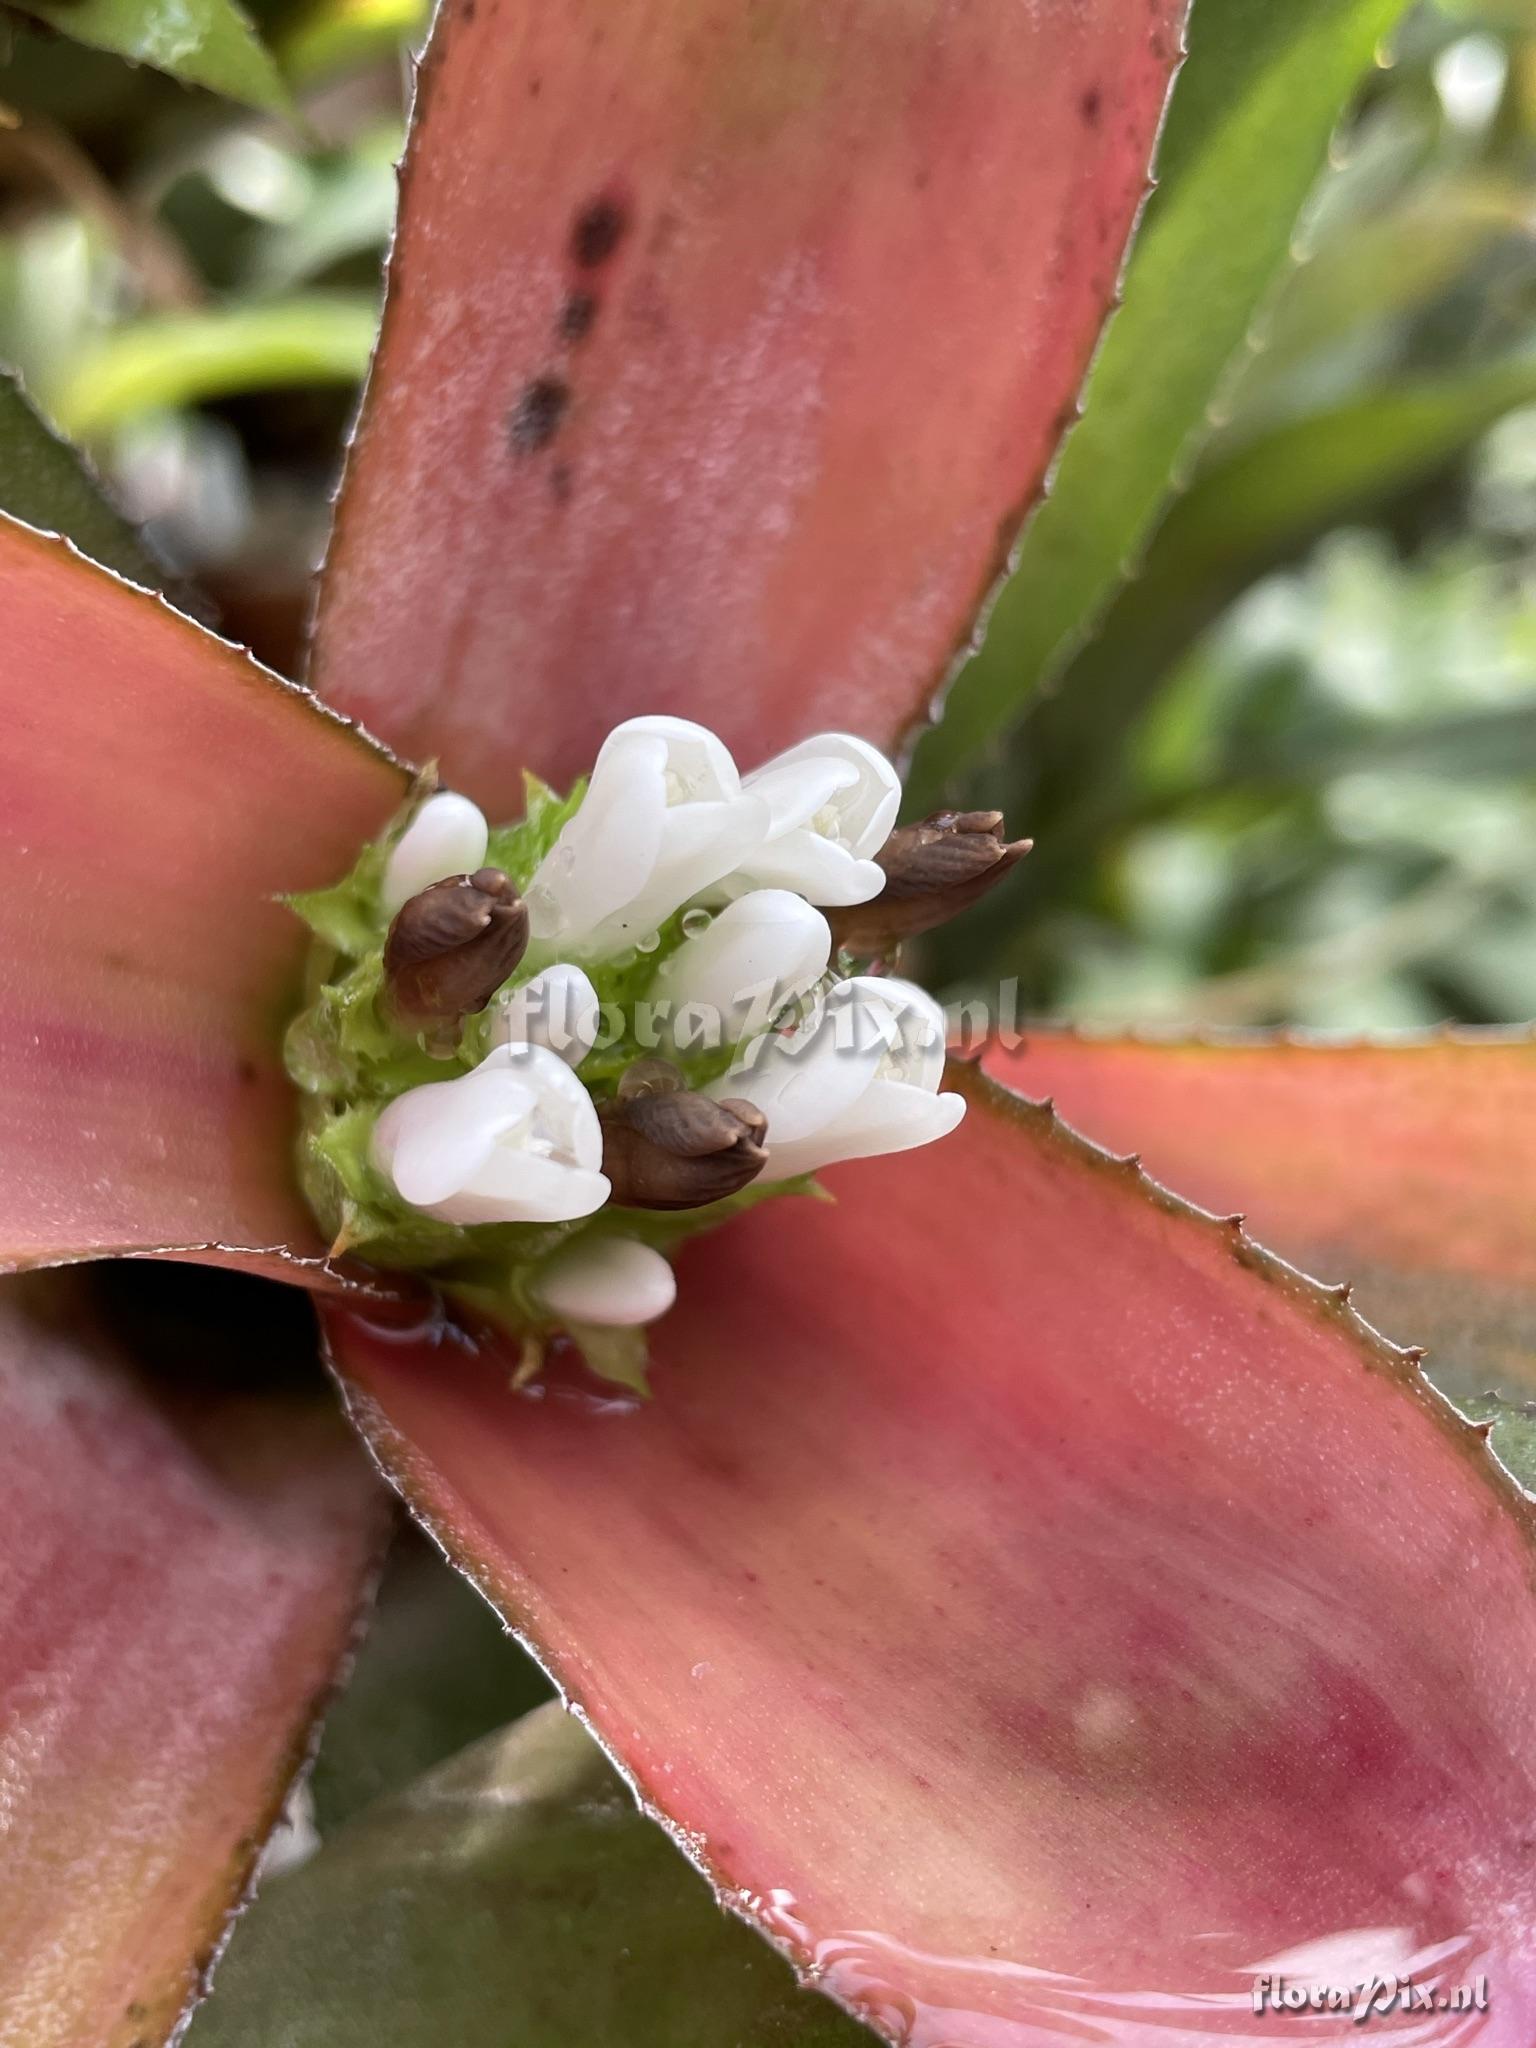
(158,790)
(1037,1608)
(724,347)
(1405,1168)
(180,1586)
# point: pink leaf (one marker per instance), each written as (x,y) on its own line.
(180,1585)
(724,348)
(1037,1609)
(158,790)
(1405,1168)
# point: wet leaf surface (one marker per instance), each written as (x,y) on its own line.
(1010,1570)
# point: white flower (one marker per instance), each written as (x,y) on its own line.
(447,836)
(664,817)
(557,1009)
(515,1141)
(614,1282)
(733,979)
(858,1079)
(832,802)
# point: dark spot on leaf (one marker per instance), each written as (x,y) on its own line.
(246,1073)
(1091,106)
(560,483)
(537,415)
(535,87)
(597,231)
(577,316)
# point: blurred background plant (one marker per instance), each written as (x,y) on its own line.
(1291,778)
(189,279)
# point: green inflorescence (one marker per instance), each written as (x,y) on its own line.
(349,1062)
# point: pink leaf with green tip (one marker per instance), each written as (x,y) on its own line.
(180,1584)
(159,790)
(1408,1168)
(724,347)
(1036,1608)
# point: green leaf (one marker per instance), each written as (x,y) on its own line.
(182,359)
(1499,741)
(1511,1428)
(1248,129)
(1246,514)
(1272,497)
(513,1898)
(201,42)
(437,1670)
(349,212)
(338,35)
(46,483)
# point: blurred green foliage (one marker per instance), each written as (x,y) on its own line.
(203,42)
(1291,777)
(512,1898)
(1247,133)
(189,285)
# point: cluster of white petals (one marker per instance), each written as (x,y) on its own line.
(668,817)
(515,1141)
(668,821)
(664,818)
(614,1282)
(858,1078)
(831,804)
(447,836)
(558,1009)
(735,977)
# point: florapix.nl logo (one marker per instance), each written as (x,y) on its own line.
(1371,1998)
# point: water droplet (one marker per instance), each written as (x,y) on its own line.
(649,943)
(696,922)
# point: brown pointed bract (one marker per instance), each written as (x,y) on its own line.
(450,948)
(933,870)
(667,1148)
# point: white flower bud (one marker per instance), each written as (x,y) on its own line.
(733,979)
(447,836)
(664,817)
(615,1282)
(557,1009)
(516,1141)
(832,802)
(858,1079)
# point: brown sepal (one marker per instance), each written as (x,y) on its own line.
(667,1148)
(450,948)
(934,869)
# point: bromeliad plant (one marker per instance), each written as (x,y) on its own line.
(1033,1606)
